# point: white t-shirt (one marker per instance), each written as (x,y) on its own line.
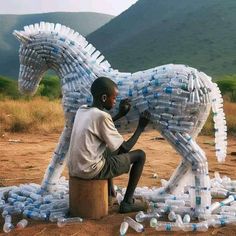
(92,131)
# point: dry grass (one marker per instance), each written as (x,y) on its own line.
(38,115)
(46,116)
(230,112)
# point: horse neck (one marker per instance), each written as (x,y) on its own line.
(74,63)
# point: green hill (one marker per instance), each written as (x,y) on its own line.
(83,22)
(155,32)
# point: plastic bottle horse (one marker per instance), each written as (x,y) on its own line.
(178,97)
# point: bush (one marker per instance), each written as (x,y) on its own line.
(49,87)
(227,85)
(8,88)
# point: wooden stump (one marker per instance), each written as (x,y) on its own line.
(88,198)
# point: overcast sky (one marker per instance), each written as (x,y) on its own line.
(111,7)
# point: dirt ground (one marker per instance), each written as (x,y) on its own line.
(24,158)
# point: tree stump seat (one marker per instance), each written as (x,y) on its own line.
(88,198)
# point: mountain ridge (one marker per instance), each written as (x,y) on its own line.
(83,22)
(155,32)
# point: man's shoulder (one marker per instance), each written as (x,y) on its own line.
(93,112)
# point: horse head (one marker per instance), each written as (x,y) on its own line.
(32,63)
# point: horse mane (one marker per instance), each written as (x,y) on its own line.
(64,33)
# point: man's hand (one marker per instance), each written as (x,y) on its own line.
(144,119)
(124,107)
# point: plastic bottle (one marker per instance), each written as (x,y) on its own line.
(202,227)
(54,216)
(153,222)
(119,197)
(61,222)
(22,224)
(19,205)
(172,216)
(140,217)
(12,210)
(186,218)
(175,202)
(123,228)
(165,226)
(221,222)
(231,208)
(134,225)
(142,106)
(219,193)
(35,215)
(217,205)
(8,226)
(179,220)
(2,204)
(18,198)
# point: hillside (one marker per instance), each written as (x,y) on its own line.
(83,22)
(155,32)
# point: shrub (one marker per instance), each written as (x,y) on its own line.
(227,86)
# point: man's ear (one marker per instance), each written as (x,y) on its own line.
(104,97)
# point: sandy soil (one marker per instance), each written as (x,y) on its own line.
(24,158)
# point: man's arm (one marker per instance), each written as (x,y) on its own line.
(144,119)
(116,117)
(124,108)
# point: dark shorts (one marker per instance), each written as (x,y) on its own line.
(115,165)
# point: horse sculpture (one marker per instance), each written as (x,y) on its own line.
(178,97)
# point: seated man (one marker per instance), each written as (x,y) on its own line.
(94,131)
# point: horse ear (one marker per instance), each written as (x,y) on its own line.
(21,36)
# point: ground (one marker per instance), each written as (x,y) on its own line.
(24,158)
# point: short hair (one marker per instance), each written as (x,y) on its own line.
(102,85)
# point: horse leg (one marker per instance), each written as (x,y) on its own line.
(200,195)
(183,167)
(200,192)
(56,165)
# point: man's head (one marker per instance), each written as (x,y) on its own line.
(104,91)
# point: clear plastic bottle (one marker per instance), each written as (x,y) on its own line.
(134,225)
(172,216)
(142,106)
(219,193)
(216,223)
(119,197)
(166,226)
(123,228)
(22,224)
(186,218)
(202,227)
(54,216)
(153,222)
(175,202)
(141,216)
(179,220)
(217,205)
(2,204)
(35,215)
(8,226)
(228,208)
(61,222)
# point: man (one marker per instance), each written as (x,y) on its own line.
(98,151)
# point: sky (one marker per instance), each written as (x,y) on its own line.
(111,7)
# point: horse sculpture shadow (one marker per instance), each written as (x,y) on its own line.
(178,97)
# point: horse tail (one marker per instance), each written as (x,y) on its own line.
(219,122)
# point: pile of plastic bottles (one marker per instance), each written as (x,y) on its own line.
(29,201)
(168,212)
